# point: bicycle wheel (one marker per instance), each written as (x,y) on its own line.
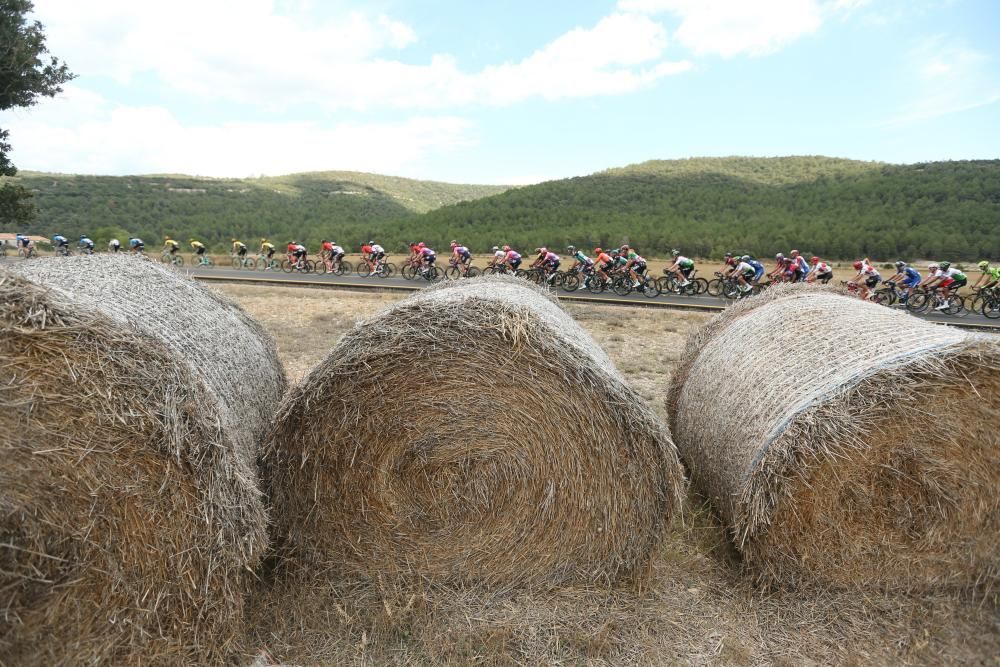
(321,268)
(452,273)
(363,270)
(622,286)
(700,284)
(956,306)
(286,266)
(991,308)
(730,290)
(409,272)
(882,297)
(571,282)
(237,264)
(474,271)
(917,302)
(713,287)
(390,269)
(650,289)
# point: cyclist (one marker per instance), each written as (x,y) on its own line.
(85,245)
(296,253)
(636,267)
(681,268)
(335,256)
(171,246)
(239,249)
(780,268)
(267,250)
(819,270)
(513,258)
(61,244)
(199,250)
(866,279)
(758,268)
(905,276)
(378,254)
(136,245)
(427,257)
(366,255)
(605,264)
(461,256)
(498,257)
(114,245)
(947,278)
(580,260)
(989,276)
(747,274)
(802,267)
(547,261)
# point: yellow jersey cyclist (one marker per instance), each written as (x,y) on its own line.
(170,246)
(199,250)
(267,249)
(239,248)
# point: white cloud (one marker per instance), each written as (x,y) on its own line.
(947,78)
(731,27)
(249,54)
(81,133)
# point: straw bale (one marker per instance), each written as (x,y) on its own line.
(471,433)
(130,507)
(846,443)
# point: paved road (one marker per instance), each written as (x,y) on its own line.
(703,303)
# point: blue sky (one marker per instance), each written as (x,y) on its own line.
(508,92)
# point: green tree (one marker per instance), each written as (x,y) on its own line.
(24,78)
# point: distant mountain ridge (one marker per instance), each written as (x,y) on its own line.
(834,207)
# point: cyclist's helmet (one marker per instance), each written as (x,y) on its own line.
(779,257)
(83,236)
(624,247)
(933,267)
(795,253)
(323,241)
(598,251)
(944,265)
(858,265)
(900,264)
(745,258)
(495,248)
(571,248)
(542,251)
(814,260)
(190,240)
(232,240)
(675,252)
(983,265)
(263,240)
(421,245)
(506,248)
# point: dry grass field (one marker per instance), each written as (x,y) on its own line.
(695,607)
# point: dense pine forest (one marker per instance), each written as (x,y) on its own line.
(836,208)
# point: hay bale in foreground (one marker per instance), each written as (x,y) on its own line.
(130,507)
(473,432)
(846,443)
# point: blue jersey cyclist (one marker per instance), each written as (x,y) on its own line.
(61,244)
(86,245)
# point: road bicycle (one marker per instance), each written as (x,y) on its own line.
(265,263)
(301,264)
(201,260)
(171,258)
(456,271)
(669,284)
(990,299)
(244,262)
(383,269)
(922,300)
(623,285)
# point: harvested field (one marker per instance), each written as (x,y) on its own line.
(697,606)
(857,446)
(130,512)
(472,432)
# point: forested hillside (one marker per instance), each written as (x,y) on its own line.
(300,206)
(837,208)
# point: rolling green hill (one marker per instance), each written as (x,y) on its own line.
(836,208)
(301,206)
(704,206)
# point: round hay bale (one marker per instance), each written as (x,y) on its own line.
(131,515)
(473,432)
(846,443)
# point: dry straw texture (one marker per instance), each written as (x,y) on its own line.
(845,442)
(471,433)
(130,508)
